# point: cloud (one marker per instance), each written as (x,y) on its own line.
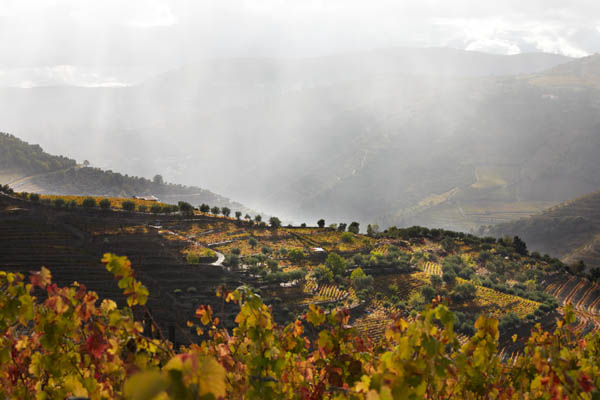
(168,33)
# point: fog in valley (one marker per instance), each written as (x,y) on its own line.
(453,114)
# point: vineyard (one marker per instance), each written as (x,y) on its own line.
(432,269)
(498,303)
(282,267)
(115,202)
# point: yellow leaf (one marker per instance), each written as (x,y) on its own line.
(145,385)
(74,386)
(107,306)
(211,377)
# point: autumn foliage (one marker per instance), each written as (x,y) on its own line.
(60,342)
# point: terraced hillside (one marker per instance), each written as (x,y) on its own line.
(183,259)
(570,231)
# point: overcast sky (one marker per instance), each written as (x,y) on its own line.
(133,36)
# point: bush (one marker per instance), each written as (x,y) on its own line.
(128,205)
(185,208)
(295,255)
(104,204)
(59,203)
(192,258)
(336,264)
(72,204)
(463,292)
(89,202)
(363,282)
(155,209)
(322,274)
(347,237)
(34,198)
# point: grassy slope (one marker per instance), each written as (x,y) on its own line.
(28,168)
(570,230)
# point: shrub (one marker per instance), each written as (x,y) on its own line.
(322,274)
(295,255)
(59,203)
(192,258)
(347,237)
(104,204)
(128,205)
(89,202)
(185,208)
(336,264)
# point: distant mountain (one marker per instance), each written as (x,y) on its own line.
(570,230)
(435,137)
(26,167)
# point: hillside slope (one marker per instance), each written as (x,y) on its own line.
(433,137)
(27,167)
(570,230)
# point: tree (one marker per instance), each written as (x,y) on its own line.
(215,210)
(247,217)
(372,229)
(128,205)
(158,180)
(226,211)
(354,227)
(295,255)
(519,246)
(321,223)
(449,277)
(155,209)
(274,222)
(578,268)
(428,293)
(205,208)
(322,274)
(448,244)
(104,204)
(258,218)
(436,281)
(252,242)
(89,202)
(238,215)
(336,264)
(34,198)
(185,208)
(341,227)
(463,292)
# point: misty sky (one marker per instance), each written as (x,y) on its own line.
(114,41)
